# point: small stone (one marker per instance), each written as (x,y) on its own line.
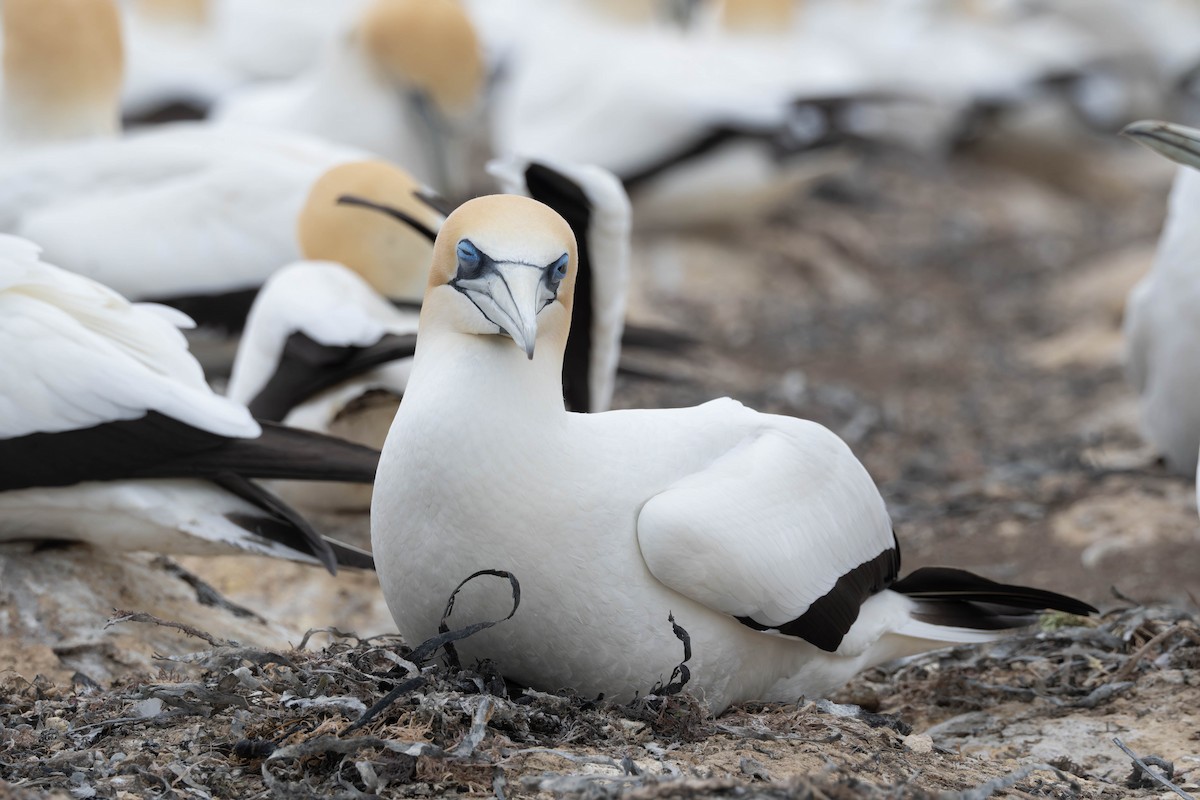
(919,742)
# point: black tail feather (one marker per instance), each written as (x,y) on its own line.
(353,557)
(961,599)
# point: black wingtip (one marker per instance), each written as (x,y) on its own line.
(968,597)
(352,557)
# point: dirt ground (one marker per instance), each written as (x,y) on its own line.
(958,323)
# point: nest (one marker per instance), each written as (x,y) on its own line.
(373,717)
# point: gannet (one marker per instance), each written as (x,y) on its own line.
(1162,325)
(194,214)
(174,66)
(405,84)
(761,535)
(62,71)
(323,351)
(278,39)
(109,434)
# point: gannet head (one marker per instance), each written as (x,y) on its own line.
(429,45)
(503,264)
(393,258)
(63,65)
(1179,143)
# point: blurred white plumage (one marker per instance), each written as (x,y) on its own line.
(109,434)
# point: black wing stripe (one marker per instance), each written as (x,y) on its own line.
(826,621)
(157,446)
(222,311)
(652,338)
(283,524)
(307,367)
(571,202)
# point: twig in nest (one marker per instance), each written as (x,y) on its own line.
(681,671)
(443,639)
(332,631)
(1149,773)
(1131,664)
(120,616)
(986,790)
(446,637)
(402,688)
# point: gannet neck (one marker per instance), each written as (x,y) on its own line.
(63,62)
(465,374)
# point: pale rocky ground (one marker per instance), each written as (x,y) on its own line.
(959,325)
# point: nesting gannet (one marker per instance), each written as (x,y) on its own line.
(700,128)
(278,39)
(763,535)
(62,71)
(109,434)
(1162,324)
(194,214)
(323,351)
(328,340)
(405,84)
(174,65)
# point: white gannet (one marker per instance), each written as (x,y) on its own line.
(109,434)
(323,351)
(278,39)
(174,66)
(190,214)
(196,214)
(328,341)
(404,84)
(63,63)
(1162,321)
(762,535)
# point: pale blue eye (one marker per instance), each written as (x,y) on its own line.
(469,257)
(558,270)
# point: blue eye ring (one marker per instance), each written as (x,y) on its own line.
(558,270)
(469,256)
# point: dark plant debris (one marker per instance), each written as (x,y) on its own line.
(234,721)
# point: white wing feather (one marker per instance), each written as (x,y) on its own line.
(325,301)
(770,526)
(77,354)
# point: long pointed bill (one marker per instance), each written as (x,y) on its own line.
(1179,143)
(510,295)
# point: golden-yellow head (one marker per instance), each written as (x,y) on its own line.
(390,255)
(63,55)
(430,45)
(504,264)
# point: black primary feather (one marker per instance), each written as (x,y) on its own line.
(957,598)
(570,201)
(224,312)
(307,367)
(157,446)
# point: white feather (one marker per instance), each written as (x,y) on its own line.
(77,354)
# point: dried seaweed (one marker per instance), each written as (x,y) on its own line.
(241,722)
